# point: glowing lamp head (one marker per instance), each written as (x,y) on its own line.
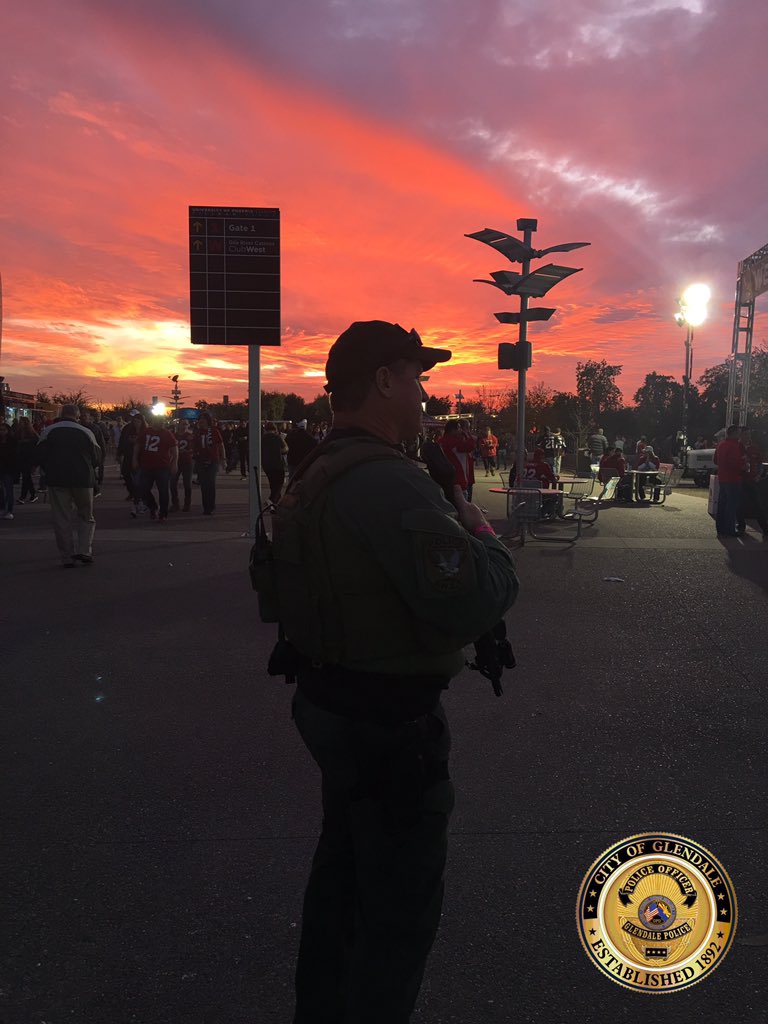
(159,409)
(697,295)
(693,305)
(695,316)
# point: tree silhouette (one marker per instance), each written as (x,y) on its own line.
(439,406)
(596,387)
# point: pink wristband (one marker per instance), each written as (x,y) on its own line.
(485,528)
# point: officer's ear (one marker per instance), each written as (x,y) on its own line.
(384,380)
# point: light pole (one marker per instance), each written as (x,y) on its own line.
(529,284)
(692,313)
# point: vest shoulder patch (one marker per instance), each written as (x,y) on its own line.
(444,559)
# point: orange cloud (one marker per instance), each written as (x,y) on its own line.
(108,157)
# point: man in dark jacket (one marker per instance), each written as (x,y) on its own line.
(272,450)
(381,582)
(125,447)
(9,469)
(300,443)
(69,454)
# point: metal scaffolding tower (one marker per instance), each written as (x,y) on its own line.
(752,281)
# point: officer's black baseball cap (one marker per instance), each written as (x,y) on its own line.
(368,344)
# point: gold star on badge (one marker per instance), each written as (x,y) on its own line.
(724,912)
(590,909)
(593,893)
(721,896)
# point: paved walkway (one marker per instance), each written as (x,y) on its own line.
(161,812)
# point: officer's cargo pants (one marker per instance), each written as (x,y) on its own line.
(373,901)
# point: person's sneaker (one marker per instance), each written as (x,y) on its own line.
(96,494)
(33,499)
(20,501)
(69,564)
(243,477)
(85,559)
(133,513)
(8,515)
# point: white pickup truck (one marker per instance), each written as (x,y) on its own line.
(699,463)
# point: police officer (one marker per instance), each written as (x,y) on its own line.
(381,583)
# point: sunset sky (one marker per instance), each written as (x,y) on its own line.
(384,130)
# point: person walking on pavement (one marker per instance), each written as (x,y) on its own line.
(243,447)
(125,448)
(209,455)
(87,420)
(489,444)
(26,445)
(9,468)
(185,440)
(155,457)
(731,465)
(273,448)
(300,443)
(391,582)
(752,495)
(598,445)
(69,455)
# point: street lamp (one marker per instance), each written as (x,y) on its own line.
(692,313)
(175,394)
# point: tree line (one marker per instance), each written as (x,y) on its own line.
(655,411)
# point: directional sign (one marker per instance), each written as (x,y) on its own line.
(234,275)
(754,275)
(528,316)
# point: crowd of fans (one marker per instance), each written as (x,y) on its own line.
(159,465)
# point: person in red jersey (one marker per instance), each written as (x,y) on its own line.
(466,426)
(458,445)
(185,440)
(751,494)
(536,470)
(209,455)
(612,463)
(155,456)
(731,465)
(539,469)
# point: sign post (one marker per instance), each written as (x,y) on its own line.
(527,285)
(234,290)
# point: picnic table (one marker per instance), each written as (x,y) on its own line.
(667,477)
(525,509)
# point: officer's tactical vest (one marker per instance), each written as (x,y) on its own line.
(317,621)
